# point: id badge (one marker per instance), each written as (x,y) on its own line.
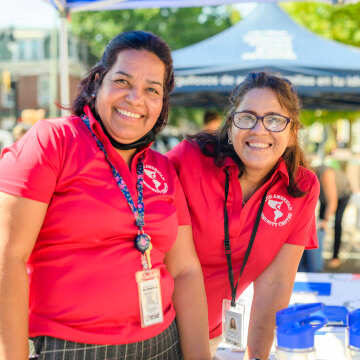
(233,324)
(151,311)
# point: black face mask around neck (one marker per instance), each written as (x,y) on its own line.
(146,139)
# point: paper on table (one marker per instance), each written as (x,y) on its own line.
(318,288)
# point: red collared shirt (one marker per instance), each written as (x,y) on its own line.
(83,265)
(285,219)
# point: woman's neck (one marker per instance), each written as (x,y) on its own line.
(251,181)
(127,155)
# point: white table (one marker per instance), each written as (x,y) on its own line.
(345,291)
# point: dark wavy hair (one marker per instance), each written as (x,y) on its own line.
(216,144)
(129,40)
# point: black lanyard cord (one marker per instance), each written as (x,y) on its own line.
(227,239)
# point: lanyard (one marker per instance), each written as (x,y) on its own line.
(142,241)
(227,240)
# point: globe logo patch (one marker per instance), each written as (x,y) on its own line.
(154,180)
(277,210)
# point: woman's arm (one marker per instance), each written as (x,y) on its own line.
(272,291)
(20,222)
(189,296)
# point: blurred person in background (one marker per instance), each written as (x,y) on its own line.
(335,192)
(212,121)
(20,130)
(252,203)
(101,224)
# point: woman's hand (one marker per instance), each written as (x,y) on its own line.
(189,296)
(272,292)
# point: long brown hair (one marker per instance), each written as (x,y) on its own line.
(129,40)
(216,144)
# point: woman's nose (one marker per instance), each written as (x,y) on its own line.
(134,96)
(259,127)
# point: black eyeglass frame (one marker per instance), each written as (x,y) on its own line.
(288,120)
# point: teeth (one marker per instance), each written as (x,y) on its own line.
(128,113)
(259,145)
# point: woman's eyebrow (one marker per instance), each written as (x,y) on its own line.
(131,77)
(255,113)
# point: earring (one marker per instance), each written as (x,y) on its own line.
(93,95)
(229,141)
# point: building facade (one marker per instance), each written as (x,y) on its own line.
(29,68)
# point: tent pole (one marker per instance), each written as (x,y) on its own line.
(64,64)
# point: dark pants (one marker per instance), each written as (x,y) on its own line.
(342,203)
(164,346)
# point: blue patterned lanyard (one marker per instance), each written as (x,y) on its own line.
(142,241)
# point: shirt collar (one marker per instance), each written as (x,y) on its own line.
(231,165)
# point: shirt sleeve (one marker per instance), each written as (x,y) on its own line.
(30,167)
(304,232)
(181,204)
(183,211)
(177,156)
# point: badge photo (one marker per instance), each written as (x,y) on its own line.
(233,324)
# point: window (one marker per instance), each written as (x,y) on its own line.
(7,99)
(43,93)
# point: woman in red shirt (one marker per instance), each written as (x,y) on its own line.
(100,222)
(252,204)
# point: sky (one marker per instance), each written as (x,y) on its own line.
(26,14)
(39,14)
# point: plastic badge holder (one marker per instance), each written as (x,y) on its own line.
(233,324)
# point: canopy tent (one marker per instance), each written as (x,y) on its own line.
(64,7)
(326,73)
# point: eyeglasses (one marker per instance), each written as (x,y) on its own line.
(245,121)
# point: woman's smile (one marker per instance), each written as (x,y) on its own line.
(128,113)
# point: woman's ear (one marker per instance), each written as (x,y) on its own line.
(229,136)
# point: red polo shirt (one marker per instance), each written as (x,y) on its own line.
(83,265)
(285,219)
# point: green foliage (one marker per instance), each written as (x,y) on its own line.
(336,22)
(179,27)
(308,117)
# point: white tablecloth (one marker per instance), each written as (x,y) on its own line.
(329,342)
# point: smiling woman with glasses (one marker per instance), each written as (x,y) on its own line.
(251,199)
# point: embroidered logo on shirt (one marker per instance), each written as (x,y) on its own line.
(154,180)
(277,210)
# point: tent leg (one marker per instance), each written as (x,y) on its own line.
(64,66)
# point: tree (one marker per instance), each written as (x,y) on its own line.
(179,27)
(336,22)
